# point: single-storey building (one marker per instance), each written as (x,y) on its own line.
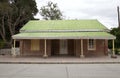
(63,37)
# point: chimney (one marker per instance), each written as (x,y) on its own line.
(118,17)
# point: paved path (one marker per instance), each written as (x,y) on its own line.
(59,70)
(59,60)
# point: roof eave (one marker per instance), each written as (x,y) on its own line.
(109,38)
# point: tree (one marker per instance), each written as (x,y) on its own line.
(115,32)
(51,12)
(5,9)
(13,15)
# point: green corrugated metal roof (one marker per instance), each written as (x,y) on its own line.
(65,35)
(41,25)
(64,29)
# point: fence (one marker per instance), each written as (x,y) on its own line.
(9,51)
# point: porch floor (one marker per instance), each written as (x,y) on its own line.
(59,60)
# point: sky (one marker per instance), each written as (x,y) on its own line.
(104,11)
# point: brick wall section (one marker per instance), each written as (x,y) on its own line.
(21,47)
(106,47)
(101,48)
(74,48)
(85,47)
(26,49)
(48,47)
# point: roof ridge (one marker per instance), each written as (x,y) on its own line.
(82,30)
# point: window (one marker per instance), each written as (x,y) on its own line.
(35,45)
(91,44)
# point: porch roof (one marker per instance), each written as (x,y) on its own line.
(64,35)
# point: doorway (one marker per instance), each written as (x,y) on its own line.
(63,47)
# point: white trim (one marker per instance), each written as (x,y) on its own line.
(82,55)
(45,49)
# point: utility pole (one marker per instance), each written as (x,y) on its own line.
(118,17)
